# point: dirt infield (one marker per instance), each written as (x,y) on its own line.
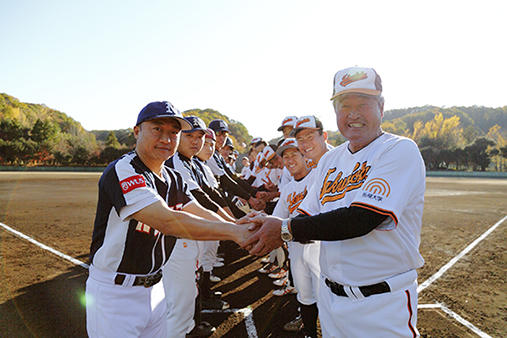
(41,293)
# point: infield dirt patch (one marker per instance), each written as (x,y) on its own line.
(40,293)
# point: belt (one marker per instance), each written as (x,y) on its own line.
(366,290)
(146,281)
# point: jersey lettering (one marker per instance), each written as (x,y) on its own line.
(335,189)
(141,227)
(132,182)
(294,200)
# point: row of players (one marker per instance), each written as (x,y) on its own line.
(201,160)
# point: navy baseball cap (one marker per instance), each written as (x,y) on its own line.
(197,124)
(218,125)
(158,109)
(228,142)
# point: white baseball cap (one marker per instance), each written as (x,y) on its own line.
(357,80)
(289,121)
(286,144)
(304,122)
(268,153)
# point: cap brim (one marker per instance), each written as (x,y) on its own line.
(184,124)
(372,92)
(195,129)
(297,130)
(280,150)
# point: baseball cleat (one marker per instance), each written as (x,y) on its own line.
(268,268)
(218,264)
(214,279)
(285,291)
(294,325)
(278,274)
(281,281)
(204,329)
(215,304)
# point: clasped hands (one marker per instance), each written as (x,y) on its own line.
(264,233)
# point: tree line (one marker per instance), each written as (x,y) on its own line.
(457,138)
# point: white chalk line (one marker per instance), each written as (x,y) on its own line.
(455,316)
(43,246)
(453,261)
(247,312)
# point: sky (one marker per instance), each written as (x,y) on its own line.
(101,62)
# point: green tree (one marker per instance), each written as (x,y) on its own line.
(477,153)
(112,141)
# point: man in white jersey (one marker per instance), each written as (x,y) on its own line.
(312,143)
(304,258)
(142,207)
(366,209)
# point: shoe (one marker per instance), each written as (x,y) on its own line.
(214,304)
(214,279)
(280,274)
(265,260)
(294,325)
(285,291)
(218,264)
(281,281)
(204,329)
(268,268)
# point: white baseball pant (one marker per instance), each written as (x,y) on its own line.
(180,287)
(123,310)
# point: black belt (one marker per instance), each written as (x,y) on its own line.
(146,281)
(366,290)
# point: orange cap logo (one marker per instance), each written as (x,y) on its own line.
(348,79)
(300,122)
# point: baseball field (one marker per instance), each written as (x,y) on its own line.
(45,231)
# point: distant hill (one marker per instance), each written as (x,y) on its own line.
(34,134)
(481,119)
(458,138)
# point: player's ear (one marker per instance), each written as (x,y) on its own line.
(137,129)
(324,134)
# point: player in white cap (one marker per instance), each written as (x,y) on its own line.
(287,126)
(304,258)
(367,210)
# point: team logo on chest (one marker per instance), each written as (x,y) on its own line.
(294,200)
(335,189)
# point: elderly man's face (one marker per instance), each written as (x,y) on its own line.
(358,118)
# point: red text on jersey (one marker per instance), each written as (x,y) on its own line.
(132,182)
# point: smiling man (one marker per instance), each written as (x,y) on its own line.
(142,207)
(366,208)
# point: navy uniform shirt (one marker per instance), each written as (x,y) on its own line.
(121,243)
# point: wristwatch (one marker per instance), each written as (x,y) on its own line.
(285,233)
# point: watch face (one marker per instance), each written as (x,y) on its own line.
(286,236)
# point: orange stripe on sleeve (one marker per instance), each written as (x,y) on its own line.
(377,210)
(301,211)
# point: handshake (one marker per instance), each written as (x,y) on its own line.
(260,233)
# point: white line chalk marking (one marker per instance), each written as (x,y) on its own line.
(453,261)
(43,246)
(455,316)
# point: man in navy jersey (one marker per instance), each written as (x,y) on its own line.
(142,207)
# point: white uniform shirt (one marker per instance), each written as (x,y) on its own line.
(291,196)
(388,177)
